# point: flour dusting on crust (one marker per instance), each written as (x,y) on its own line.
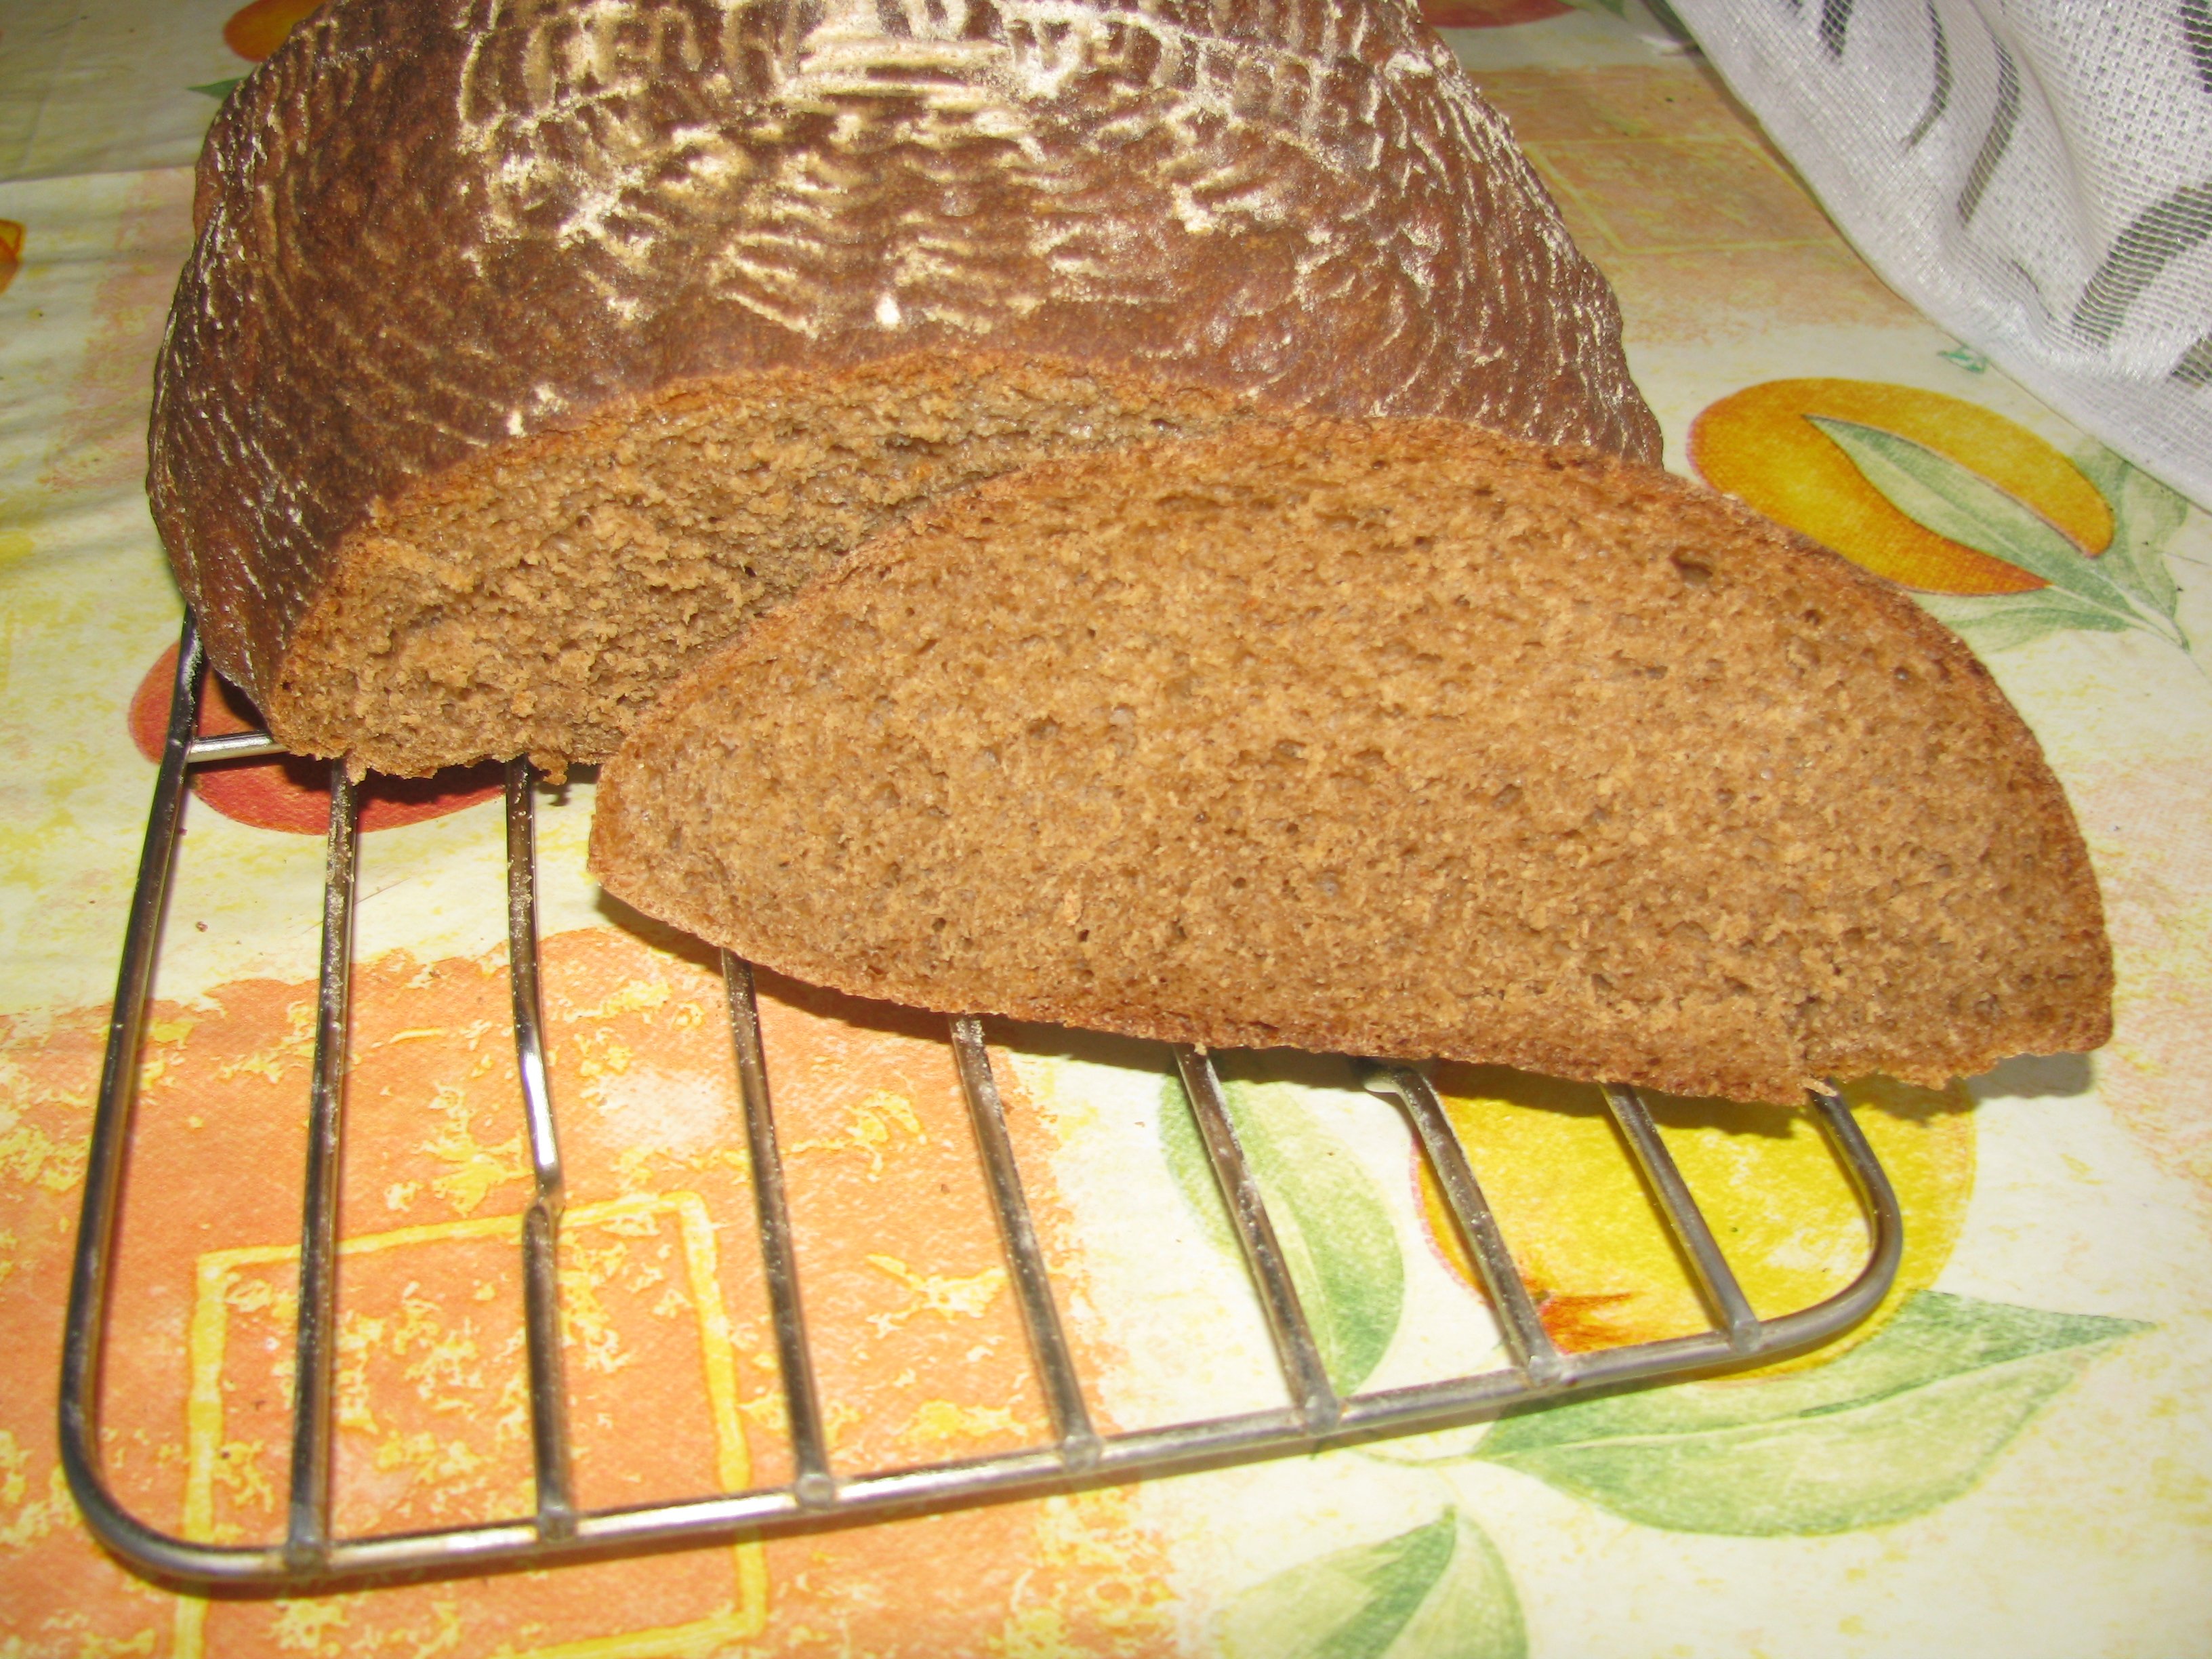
(431,227)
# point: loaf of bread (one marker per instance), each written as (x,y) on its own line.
(526,350)
(1393,738)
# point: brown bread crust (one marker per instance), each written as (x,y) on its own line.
(433,231)
(1399,738)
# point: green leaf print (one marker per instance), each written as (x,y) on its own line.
(2145,515)
(1999,622)
(1900,1425)
(2127,586)
(1956,502)
(217,90)
(1437,1592)
(1335,1230)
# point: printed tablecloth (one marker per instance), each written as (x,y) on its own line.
(2014,1457)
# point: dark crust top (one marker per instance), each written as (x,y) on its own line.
(432,227)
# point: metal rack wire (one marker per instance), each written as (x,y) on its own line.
(1316,1415)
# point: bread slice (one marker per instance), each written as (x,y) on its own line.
(526,350)
(1400,738)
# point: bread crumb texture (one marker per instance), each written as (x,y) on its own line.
(1400,738)
(514,361)
(540,599)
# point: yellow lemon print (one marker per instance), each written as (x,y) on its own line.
(1761,444)
(254,31)
(1596,1255)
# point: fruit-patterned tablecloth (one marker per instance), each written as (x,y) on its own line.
(2014,1457)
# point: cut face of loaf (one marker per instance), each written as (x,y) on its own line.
(526,349)
(540,597)
(1399,738)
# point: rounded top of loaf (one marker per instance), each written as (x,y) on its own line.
(431,227)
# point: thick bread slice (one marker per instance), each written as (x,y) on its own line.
(1394,738)
(526,349)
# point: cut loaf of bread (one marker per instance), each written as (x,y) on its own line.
(527,349)
(1400,738)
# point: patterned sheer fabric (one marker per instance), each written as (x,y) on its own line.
(2037,177)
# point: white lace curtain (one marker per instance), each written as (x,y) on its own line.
(2036,175)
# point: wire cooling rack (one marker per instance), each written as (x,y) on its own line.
(1315,1416)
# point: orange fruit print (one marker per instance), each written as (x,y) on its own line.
(1760,444)
(255,31)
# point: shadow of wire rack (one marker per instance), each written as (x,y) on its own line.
(1079,1453)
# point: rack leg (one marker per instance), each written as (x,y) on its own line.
(307,1527)
(1716,1280)
(541,1222)
(1311,1392)
(1071,1418)
(82,1338)
(813,1484)
(1535,1355)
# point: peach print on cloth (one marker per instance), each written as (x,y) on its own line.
(1601,1266)
(672,1382)
(290,792)
(256,30)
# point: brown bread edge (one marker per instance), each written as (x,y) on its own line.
(625,869)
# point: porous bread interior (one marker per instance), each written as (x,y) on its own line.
(538,600)
(1412,741)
